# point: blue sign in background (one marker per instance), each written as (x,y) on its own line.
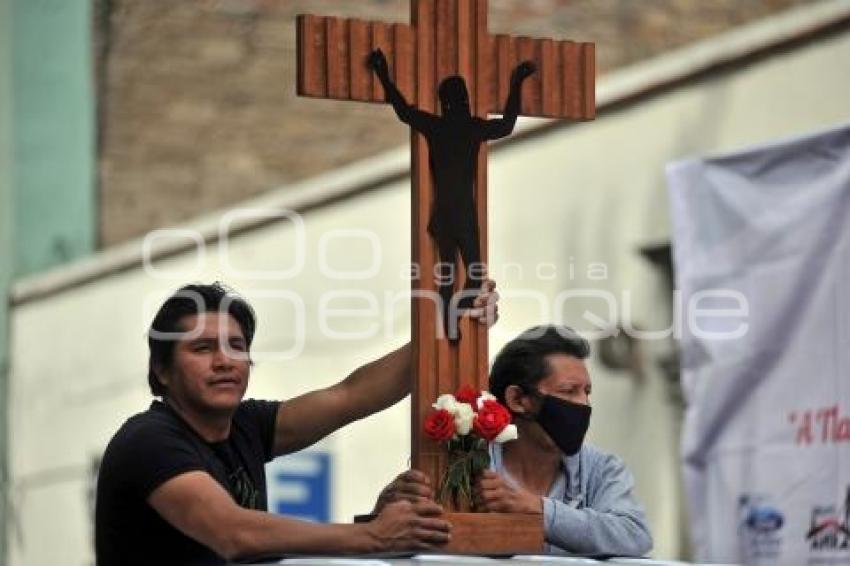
(300,486)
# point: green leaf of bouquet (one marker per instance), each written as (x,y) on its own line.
(480,461)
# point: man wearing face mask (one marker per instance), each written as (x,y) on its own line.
(584,494)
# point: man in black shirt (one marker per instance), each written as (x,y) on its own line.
(184,482)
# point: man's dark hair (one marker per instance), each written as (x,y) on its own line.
(523,362)
(186,301)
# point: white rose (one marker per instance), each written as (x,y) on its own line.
(508,433)
(448,402)
(485,396)
(463,418)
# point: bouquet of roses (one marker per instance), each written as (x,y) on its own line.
(467,421)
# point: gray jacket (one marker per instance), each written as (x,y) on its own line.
(590,509)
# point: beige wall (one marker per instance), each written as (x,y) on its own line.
(591,193)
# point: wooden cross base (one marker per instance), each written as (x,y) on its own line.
(495,533)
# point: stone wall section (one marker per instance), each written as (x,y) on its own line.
(197,106)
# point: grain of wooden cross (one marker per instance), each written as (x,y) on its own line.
(445,37)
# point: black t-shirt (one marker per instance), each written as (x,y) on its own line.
(157,445)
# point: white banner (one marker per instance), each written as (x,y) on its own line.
(762,258)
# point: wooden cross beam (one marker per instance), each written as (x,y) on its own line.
(445,37)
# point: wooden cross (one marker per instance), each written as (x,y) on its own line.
(445,37)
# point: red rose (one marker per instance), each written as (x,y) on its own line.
(440,425)
(492,417)
(467,394)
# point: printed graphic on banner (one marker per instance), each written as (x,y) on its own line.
(829,532)
(825,425)
(299,486)
(759,527)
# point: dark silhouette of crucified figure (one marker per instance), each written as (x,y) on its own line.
(454,139)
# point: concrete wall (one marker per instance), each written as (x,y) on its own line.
(47,196)
(560,204)
(55,205)
(6,243)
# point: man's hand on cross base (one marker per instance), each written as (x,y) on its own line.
(492,494)
(412,485)
(409,526)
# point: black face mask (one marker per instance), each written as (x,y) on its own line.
(566,423)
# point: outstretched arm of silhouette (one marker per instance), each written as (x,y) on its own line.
(501,127)
(415,118)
